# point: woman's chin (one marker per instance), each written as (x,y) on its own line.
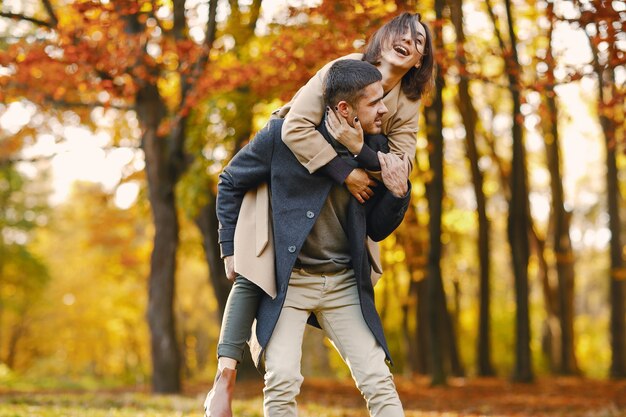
(398,61)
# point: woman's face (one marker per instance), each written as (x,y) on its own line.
(404,51)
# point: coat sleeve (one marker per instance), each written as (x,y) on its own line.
(305,112)
(248,169)
(385,212)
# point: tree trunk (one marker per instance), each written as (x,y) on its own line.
(617,288)
(410,334)
(315,361)
(519,213)
(2,326)
(207,224)
(434,192)
(551,331)
(435,199)
(17,332)
(562,244)
(452,350)
(416,340)
(617,291)
(562,247)
(607,102)
(518,237)
(161,183)
(468,113)
(423,332)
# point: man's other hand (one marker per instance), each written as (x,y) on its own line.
(394,172)
(359,183)
(229,266)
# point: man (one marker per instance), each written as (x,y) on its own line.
(321,260)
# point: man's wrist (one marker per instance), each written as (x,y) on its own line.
(227,249)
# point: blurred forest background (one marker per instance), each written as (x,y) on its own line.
(116,117)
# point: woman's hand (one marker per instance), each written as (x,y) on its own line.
(359,183)
(348,136)
(394,172)
(229,267)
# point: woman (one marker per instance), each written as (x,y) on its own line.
(402,51)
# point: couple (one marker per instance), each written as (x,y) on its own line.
(314,249)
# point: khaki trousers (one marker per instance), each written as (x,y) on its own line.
(335,302)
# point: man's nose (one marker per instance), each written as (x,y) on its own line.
(383,109)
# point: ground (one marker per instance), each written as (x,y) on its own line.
(493,397)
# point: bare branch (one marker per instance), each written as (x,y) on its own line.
(235,11)
(496,27)
(177,135)
(211,28)
(50,10)
(10,161)
(4,161)
(200,64)
(180,23)
(79,105)
(46,99)
(64,104)
(19,16)
(255,11)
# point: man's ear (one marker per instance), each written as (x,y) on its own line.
(343,109)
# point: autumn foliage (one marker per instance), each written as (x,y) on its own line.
(184,84)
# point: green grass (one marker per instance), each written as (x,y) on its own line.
(144,405)
(489,397)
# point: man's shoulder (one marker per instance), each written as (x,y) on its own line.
(269,135)
(272,130)
(355,55)
(275,125)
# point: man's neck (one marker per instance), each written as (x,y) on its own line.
(324,131)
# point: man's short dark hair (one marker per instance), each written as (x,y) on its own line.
(346,79)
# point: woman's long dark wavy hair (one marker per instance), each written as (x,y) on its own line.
(416,81)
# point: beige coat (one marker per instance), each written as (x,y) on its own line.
(254,251)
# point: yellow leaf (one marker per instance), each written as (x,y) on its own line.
(36,72)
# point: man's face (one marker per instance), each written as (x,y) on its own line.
(370,109)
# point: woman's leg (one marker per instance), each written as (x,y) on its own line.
(239,314)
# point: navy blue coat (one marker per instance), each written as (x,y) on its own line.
(296,199)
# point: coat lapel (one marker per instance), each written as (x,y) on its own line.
(391,102)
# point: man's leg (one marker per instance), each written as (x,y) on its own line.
(345,326)
(239,313)
(284,350)
(282,364)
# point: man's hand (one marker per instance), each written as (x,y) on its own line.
(229,266)
(394,172)
(359,183)
(348,136)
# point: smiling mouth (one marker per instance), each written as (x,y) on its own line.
(401,50)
